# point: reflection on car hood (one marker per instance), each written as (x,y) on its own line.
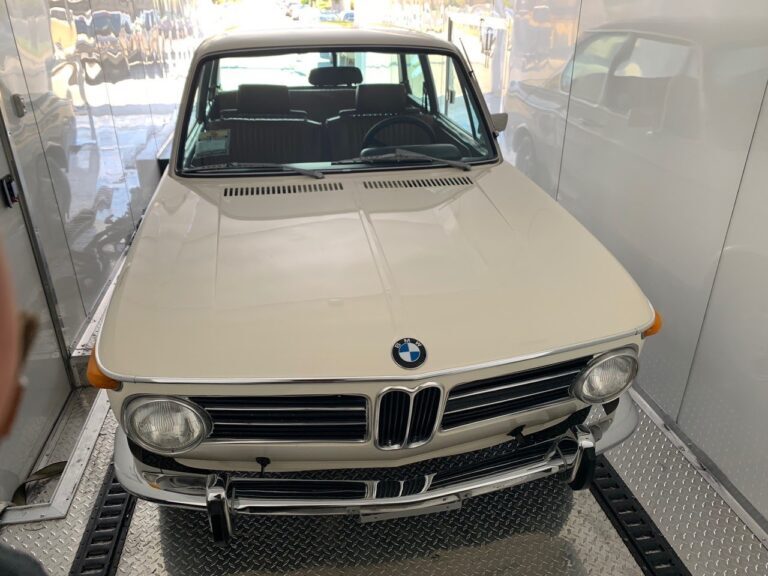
(300,284)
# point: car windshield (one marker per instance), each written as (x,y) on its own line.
(331,111)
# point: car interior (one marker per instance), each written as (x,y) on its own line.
(336,117)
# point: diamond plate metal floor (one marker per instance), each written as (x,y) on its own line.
(705,532)
(538,529)
(65,437)
(55,542)
(542,528)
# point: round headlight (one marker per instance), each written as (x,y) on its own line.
(165,425)
(606,376)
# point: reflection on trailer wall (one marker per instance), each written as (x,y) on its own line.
(661,100)
(539,66)
(661,113)
(723,409)
(104,78)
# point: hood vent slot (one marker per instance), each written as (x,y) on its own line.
(282,189)
(419,182)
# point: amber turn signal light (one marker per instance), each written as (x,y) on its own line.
(655,328)
(97,378)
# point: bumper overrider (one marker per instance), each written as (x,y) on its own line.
(434,485)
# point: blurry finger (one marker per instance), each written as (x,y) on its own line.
(29,327)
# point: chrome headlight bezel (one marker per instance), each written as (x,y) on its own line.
(134,402)
(577,388)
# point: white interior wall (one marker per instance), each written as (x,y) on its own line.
(723,409)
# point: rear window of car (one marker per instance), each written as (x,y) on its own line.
(294,69)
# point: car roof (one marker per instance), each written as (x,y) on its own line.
(338,38)
(696,30)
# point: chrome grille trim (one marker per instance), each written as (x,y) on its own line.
(503,396)
(291,423)
(333,418)
(513,385)
(383,427)
(517,397)
(286,409)
(425,406)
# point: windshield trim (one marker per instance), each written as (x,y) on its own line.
(180,131)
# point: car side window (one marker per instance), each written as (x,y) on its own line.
(452,97)
(415,75)
(651,58)
(592,65)
(644,76)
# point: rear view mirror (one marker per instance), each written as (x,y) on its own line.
(499,121)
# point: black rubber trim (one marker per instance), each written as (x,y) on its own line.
(642,537)
(104,537)
(164,155)
(585,475)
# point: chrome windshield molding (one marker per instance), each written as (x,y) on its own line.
(202,55)
(411,394)
(389,378)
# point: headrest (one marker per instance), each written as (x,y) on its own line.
(262,99)
(380,98)
(335,76)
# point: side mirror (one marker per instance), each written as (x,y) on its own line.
(499,121)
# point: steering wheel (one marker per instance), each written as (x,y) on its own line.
(371,140)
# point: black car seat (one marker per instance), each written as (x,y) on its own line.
(263,101)
(332,89)
(373,103)
(265,129)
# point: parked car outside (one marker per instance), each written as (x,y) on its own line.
(292,10)
(308,14)
(329,16)
(341,299)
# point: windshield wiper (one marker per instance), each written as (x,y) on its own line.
(400,155)
(246,165)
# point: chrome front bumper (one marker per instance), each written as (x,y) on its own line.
(221,495)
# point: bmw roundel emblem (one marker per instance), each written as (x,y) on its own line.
(409,353)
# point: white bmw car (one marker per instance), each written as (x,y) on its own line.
(342,300)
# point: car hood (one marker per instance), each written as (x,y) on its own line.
(287,277)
